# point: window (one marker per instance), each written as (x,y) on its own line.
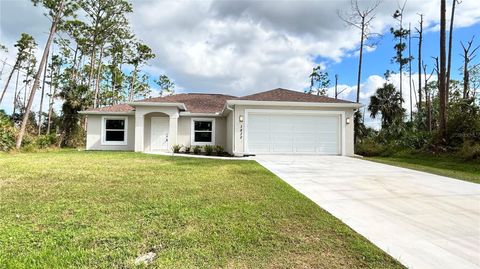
(114,131)
(203,131)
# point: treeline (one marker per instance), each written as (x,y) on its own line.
(447,114)
(92,58)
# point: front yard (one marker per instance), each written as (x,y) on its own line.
(441,165)
(103,209)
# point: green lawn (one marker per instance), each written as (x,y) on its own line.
(440,165)
(71,209)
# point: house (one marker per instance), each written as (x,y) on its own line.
(278,121)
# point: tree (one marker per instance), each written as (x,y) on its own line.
(361,18)
(442,75)
(55,66)
(56,10)
(25,45)
(319,81)
(387,102)
(419,63)
(141,54)
(166,85)
(400,34)
(450,40)
(469,54)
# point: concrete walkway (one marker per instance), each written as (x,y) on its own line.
(423,220)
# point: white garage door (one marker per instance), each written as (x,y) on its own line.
(300,134)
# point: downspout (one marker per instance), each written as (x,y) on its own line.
(233,128)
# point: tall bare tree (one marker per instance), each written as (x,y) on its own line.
(25,45)
(419,63)
(469,54)
(442,90)
(361,18)
(450,40)
(410,70)
(56,8)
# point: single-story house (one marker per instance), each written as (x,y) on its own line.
(278,121)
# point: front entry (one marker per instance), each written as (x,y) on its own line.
(159,133)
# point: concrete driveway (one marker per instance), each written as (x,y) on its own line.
(423,220)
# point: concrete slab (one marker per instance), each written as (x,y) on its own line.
(423,220)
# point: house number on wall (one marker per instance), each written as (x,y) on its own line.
(241,131)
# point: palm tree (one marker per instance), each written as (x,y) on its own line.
(387,102)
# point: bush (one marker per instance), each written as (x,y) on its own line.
(45,141)
(187,149)
(219,150)
(369,148)
(208,149)
(7,133)
(176,148)
(470,151)
(197,150)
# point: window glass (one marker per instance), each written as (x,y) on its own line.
(203,131)
(115,124)
(203,126)
(115,136)
(203,137)
(114,130)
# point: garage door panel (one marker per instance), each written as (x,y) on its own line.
(282,148)
(301,134)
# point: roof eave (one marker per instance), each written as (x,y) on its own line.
(294,104)
(86,112)
(167,104)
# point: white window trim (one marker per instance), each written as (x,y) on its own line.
(192,133)
(104,134)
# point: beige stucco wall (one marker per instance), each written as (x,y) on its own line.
(229,133)
(239,140)
(94,134)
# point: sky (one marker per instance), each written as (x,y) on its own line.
(243,47)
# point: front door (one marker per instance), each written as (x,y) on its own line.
(159,133)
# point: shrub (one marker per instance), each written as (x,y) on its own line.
(7,133)
(176,148)
(208,149)
(369,148)
(470,151)
(187,149)
(45,141)
(197,150)
(219,150)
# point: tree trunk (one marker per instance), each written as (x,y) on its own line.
(420,32)
(466,75)
(41,99)
(16,93)
(37,76)
(450,40)
(442,78)
(410,70)
(132,85)
(15,66)
(50,107)
(336,84)
(359,75)
(97,82)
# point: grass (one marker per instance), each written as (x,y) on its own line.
(70,209)
(441,165)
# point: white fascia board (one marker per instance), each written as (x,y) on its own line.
(190,114)
(293,104)
(179,105)
(86,112)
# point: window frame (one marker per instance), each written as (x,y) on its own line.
(104,131)
(192,133)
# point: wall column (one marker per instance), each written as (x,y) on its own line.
(139,130)
(173,132)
